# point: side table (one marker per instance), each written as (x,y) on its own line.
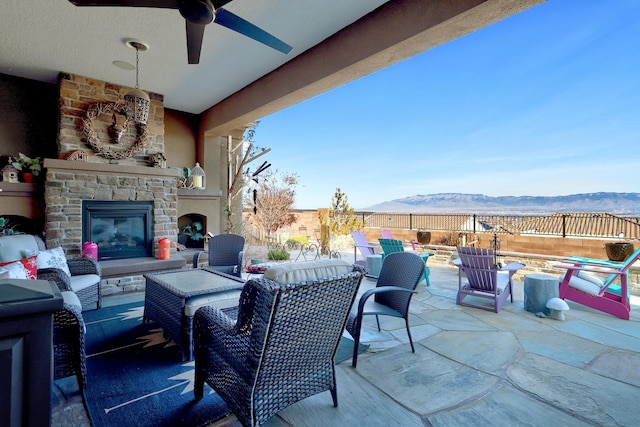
(538,289)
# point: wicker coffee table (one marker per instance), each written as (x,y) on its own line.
(171,299)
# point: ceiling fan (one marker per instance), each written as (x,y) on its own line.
(197,14)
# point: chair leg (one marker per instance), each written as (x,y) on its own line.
(198,385)
(378,322)
(334,396)
(413,350)
(356,343)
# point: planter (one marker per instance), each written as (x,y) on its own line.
(27,176)
(424,237)
(618,251)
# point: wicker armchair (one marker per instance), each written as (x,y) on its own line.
(280,349)
(225,254)
(68,325)
(68,341)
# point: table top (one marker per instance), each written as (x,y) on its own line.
(197,281)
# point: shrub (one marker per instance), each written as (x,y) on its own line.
(297,241)
(278,255)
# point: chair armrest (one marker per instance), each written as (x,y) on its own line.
(80,266)
(379,290)
(601,269)
(240,258)
(62,279)
(214,318)
(196,258)
(576,260)
(513,266)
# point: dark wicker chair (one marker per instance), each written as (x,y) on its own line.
(281,348)
(68,345)
(225,254)
(68,325)
(399,276)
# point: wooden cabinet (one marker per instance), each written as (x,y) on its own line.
(26,351)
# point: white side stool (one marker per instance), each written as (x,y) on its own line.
(538,289)
(374,264)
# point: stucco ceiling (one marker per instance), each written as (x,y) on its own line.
(39,39)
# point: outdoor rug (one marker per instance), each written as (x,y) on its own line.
(135,376)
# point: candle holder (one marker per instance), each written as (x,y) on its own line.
(198,177)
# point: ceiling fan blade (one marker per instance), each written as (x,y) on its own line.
(166,4)
(217,4)
(195,32)
(235,23)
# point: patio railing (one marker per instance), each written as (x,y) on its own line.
(561,224)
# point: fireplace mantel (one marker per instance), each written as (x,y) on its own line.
(108,168)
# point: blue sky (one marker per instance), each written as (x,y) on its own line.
(543,103)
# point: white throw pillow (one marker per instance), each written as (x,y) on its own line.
(53,258)
(15,270)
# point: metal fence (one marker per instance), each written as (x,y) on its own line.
(560,224)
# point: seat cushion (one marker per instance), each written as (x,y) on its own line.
(587,286)
(194,303)
(70,298)
(12,247)
(83,281)
(305,271)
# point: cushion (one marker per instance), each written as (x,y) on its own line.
(591,278)
(15,270)
(194,303)
(70,298)
(83,281)
(51,258)
(294,272)
(12,247)
(29,266)
(584,285)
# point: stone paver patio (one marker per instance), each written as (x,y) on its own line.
(475,367)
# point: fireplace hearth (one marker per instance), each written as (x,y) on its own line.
(121,229)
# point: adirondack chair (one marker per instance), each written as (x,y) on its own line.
(484,279)
(386,234)
(366,248)
(585,284)
(390,246)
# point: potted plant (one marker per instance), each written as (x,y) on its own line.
(619,251)
(191,235)
(29,167)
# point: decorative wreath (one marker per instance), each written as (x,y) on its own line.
(97,110)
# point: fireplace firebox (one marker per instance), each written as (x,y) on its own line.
(121,229)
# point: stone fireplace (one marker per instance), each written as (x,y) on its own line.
(72,184)
(119,228)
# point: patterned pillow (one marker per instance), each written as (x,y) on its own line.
(53,258)
(15,269)
(29,265)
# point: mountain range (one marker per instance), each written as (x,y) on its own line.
(627,204)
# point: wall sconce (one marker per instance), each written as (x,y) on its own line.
(198,177)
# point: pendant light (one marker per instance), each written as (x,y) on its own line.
(137,101)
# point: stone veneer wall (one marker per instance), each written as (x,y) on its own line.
(69,182)
(77,94)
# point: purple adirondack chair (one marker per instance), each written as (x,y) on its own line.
(484,279)
(581,285)
(366,248)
